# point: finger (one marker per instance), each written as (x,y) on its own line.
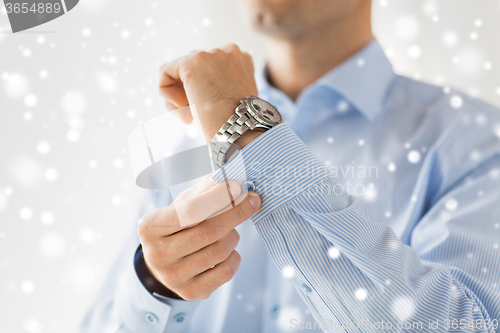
(248,62)
(157,223)
(169,106)
(210,255)
(236,202)
(216,51)
(183,113)
(165,221)
(230,48)
(205,184)
(170,85)
(209,281)
(201,206)
(203,234)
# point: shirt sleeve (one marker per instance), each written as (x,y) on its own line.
(124,304)
(355,273)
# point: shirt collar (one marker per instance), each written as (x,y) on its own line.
(363,80)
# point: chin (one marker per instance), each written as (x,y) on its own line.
(275,25)
(297,18)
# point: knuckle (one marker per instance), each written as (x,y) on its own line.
(187,70)
(206,233)
(173,276)
(153,257)
(237,258)
(218,251)
(169,250)
(248,57)
(202,55)
(184,212)
(205,295)
(235,234)
(232,47)
(227,272)
(189,293)
(216,51)
(143,226)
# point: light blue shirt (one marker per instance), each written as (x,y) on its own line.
(381,204)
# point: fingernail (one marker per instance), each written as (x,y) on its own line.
(254,199)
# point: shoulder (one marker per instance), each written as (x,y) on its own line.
(461,132)
(451,109)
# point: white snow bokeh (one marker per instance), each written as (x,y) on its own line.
(27,286)
(407,27)
(286,314)
(43,147)
(25,213)
(3,201)
(456,102)
(403,307)
(414,51)
(496,130)
(88,235)
(69,99)
(51,174)
(15,84)
(82,275)
(370,192)
(361,294)
(451,204)
(106,82)
(288,272)
(333,252)
(47,218)
(26,170)
(52,244)
(74,103)
(32,325)
(450,38)
(414,156)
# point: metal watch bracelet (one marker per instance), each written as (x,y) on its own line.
(238,124)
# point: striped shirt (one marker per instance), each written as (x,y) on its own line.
(381,212)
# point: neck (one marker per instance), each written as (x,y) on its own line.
(294,64)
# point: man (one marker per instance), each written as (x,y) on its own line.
(394,225)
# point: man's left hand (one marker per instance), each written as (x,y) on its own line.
(214,82)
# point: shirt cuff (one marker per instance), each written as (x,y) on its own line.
(148,280)
(146,313)
(278,165)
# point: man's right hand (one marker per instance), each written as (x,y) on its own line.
(189,245)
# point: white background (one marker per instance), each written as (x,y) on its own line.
(72,89)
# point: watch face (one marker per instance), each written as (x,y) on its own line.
(266,112)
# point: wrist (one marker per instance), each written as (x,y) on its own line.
(248,137)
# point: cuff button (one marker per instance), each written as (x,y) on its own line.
(151,318)
(306,288)
(179,318)
(248,186)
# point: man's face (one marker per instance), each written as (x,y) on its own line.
(295,19)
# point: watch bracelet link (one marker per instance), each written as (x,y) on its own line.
(239,123)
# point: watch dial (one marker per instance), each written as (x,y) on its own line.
(266,110)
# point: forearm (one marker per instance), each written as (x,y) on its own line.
(345,266)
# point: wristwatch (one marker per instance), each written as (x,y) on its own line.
(252,113)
